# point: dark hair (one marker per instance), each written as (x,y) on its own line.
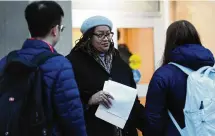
(42,16)
(84,43)
(179,33)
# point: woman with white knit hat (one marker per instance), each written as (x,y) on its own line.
(95,60)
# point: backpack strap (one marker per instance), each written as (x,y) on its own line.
(175,123)
(43,57)
(186,70)
(12,55)
(39,60)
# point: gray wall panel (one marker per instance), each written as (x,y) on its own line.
(13,27)
(64,46)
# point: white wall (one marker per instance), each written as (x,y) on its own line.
(117,5)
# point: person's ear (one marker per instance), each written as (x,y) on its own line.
(54,30)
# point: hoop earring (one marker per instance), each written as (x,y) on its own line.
(77,41)
(112,42)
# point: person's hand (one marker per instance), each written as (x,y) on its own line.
(101,97)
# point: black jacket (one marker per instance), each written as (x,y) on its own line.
(90,77)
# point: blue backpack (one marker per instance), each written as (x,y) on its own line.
(199,110)
(22,97)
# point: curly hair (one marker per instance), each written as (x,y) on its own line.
(84,44)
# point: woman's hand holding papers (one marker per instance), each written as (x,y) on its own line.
(101,97)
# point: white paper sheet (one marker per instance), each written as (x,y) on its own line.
(123,102)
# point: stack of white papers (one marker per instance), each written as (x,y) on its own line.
(124,98)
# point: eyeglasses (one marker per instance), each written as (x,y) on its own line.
(61,27)
(102,36)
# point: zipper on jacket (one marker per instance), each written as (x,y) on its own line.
(11,100)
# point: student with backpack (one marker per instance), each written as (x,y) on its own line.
(181,93)
(38,92)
